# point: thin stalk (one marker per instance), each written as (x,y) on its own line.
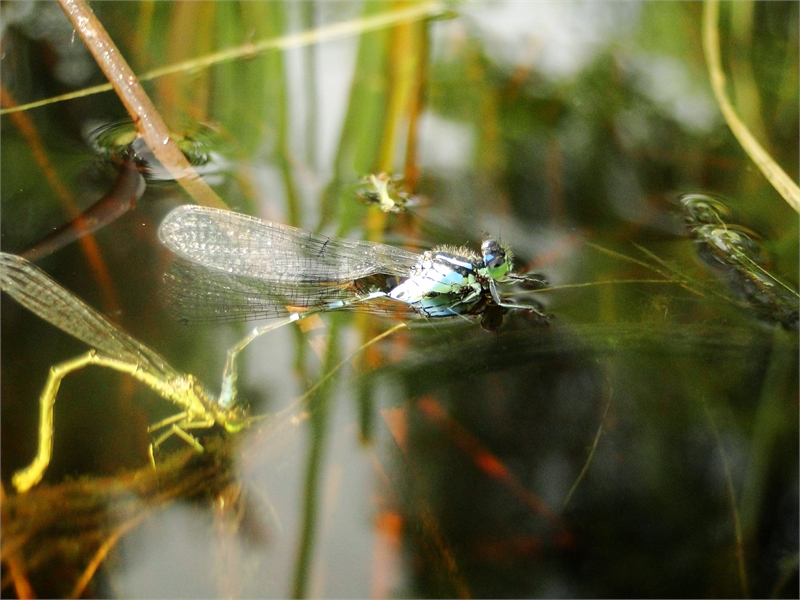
(416,105)
(774,174)
(319,431)
(250,49)
(737,522)
(144,114)
(593,449)
(308,15)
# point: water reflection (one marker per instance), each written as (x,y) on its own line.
(738,255)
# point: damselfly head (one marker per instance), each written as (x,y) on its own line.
(702,209)
(497,258)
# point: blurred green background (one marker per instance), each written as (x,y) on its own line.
(644,444)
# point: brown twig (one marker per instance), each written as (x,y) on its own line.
(128,187)
(144,114)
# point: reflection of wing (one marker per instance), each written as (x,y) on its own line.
(197,294)
(246,246)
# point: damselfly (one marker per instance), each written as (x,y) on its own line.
(237,267)
(737,254)
(111,348)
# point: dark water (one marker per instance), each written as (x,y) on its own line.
(644,443)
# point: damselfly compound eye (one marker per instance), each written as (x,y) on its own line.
(496,258)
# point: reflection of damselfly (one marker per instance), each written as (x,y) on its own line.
(237,267)
(736,253)
(112,348)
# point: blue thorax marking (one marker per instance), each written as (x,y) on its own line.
(444,283)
